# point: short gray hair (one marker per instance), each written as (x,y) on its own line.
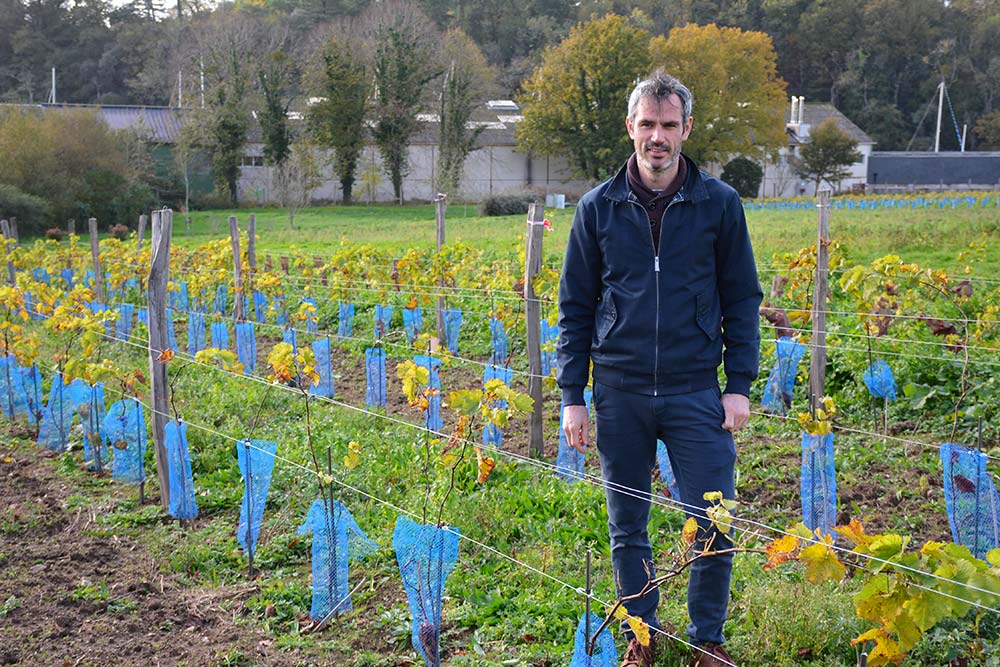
(660,86)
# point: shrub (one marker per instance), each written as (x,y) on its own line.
(510,203)
(32,212)
(745,175)
(55,233)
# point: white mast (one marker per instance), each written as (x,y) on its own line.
(937,133)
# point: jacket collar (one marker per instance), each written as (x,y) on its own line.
(618,190)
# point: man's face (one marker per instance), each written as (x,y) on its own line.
(658,133)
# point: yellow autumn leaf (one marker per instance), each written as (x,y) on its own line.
(484,465)
(690,531)
(353,457)
(780,551)
(821,564)
(636,624)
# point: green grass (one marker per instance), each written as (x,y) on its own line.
(931,237)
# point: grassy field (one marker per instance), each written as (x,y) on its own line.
(931,237)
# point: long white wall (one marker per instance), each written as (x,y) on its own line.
(488,170)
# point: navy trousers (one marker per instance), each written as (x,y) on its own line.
(702,455)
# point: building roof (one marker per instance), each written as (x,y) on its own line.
(159,124)
(815,113)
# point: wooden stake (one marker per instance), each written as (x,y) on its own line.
(96,254)
(440,204)
(234,237)
(817,367)
(5,229)
(13,231)
(71,227)
(141,232)
(251,251)
(532,317)
(162,223)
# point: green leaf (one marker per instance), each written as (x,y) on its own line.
(927,608)
(888,547)
(465,401)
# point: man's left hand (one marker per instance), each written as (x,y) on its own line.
(737,407)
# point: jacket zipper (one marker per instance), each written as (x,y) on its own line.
(655,243)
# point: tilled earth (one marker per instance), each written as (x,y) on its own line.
(71,595)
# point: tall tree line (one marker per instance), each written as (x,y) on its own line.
(879,61)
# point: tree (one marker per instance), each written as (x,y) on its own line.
(739,98)
(295,179)
(403,42)
(827,155)
(988,131)
(226,48)
(574,103)
(745,175)
(272,81)
(466,77)
(75,162)
(339,78)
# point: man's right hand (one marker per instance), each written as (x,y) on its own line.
(576,426)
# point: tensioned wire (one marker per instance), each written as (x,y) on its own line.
(881,339)
(978,362)
(248,443)
(335,282)
(846,429)
(487,315)
(486,294)
(653,498)
(332,335)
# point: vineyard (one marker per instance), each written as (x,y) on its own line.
(339,466)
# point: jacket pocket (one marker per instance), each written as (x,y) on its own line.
(708,313)
(607,315)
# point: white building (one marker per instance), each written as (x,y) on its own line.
(780,180)
(495,166)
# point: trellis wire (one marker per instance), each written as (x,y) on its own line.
(656,499)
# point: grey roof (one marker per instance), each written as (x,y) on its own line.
(817,112)
(158,124)
(161,124)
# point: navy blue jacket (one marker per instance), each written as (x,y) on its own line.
(655,320)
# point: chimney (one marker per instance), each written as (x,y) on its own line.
(795,111)
(802,110)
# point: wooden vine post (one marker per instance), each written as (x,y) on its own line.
(251,252)
(5,229)
(159,271)
(234,237)
(95,253)
(440,204)
(532,320)
(141,232)
(817,367)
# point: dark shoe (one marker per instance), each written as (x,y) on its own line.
(711,655)
(637,655)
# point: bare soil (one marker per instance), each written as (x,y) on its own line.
(73,595)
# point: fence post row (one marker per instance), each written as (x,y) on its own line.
(234,237)
(5,229)
(532,319)
(440,203)
(159,270)
(817,367)
(96,254)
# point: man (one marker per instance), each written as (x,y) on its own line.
(659,278)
